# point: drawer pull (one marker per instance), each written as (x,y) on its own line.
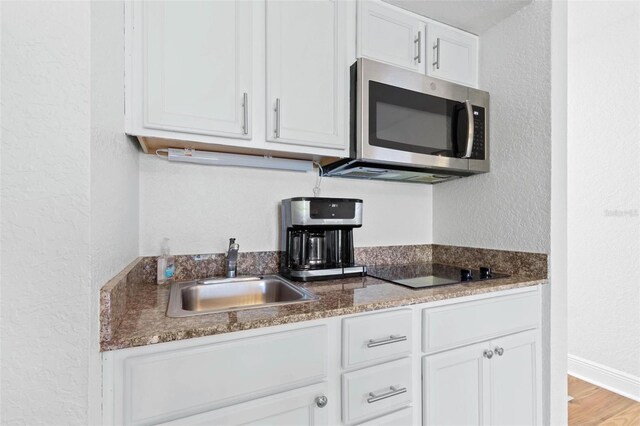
(393,391)
(385,341)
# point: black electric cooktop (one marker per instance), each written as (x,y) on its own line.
(430,274)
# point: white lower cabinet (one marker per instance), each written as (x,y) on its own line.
(496,382)
(299,407)
(359,369)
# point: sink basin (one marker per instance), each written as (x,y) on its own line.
(229,294)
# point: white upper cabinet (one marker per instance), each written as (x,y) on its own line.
(452,54)
(196,66)
(307,73)
(388,34)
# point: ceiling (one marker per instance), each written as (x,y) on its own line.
(475,16)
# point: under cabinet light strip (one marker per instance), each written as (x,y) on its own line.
(241,160)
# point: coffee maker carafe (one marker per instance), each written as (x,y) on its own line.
(317,238)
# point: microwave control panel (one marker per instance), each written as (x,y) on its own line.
(477,152)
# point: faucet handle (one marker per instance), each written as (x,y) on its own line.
(233,245)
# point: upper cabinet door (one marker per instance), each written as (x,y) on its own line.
(390,35)
(197,67)
(307,73)
(452,54)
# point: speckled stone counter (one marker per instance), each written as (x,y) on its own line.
(133,308)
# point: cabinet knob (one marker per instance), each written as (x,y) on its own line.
(321,401)
(488,353)
(499,351)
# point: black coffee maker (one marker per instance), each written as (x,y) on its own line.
(317,238)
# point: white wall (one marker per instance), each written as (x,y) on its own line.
(45,258)
(554,312)
(199,207)
(604,184)
(70,203)
(508,208)
(114,173)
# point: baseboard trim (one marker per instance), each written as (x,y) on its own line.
(606,377)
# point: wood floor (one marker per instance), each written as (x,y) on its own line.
(592,405)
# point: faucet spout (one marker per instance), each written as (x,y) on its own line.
(232,258)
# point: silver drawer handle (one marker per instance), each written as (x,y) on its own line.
(385,341)
(499,351)
(276,109)
(393,391)
(245,113)
(436,50)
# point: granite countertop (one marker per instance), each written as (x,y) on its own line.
(146,323)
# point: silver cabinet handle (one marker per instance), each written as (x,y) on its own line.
(245,113)
(385,341)
(436,51)
(469,109)
(276,131)
(418,40)
(499,351)
(393,391)
(488,353)
(321,401)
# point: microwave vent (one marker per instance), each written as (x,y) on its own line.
(431,178)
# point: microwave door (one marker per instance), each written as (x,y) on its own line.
(411,127)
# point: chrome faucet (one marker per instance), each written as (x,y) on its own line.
(232,258)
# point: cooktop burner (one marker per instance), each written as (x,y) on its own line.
(430,274)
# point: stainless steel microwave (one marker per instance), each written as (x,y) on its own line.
(408,127)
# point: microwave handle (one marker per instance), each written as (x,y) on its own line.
(470,126)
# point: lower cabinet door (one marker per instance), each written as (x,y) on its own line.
(454,384)
(299,407)
(515,384)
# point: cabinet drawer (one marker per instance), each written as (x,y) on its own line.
(182,382)
(376,390)
(464,323)
(375,337)
(403,417)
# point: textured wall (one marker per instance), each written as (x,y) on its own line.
(199,207)
(507,208)
(604,184)
(45,259)
(114,172)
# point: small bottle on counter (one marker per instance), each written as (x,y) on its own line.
(166,264)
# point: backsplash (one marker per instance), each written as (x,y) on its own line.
(509,262)
(190,267)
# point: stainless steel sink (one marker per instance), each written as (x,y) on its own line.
(229,294)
